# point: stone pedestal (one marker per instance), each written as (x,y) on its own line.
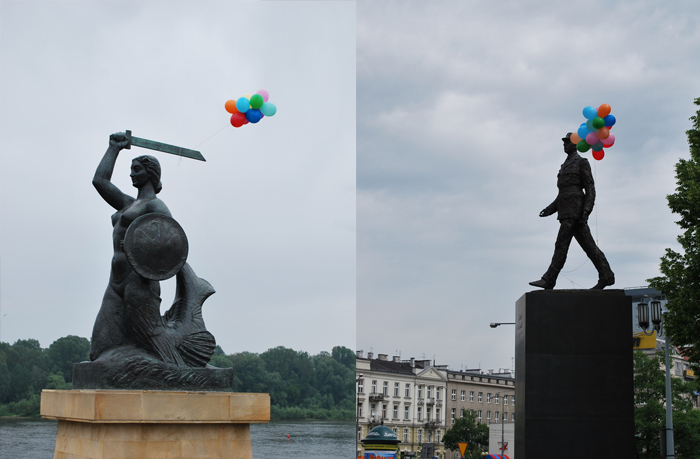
(574,375)
(113,424)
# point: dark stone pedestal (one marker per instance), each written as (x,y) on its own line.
(574,375)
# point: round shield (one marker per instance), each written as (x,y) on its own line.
(156,246)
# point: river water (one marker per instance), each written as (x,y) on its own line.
(35,439)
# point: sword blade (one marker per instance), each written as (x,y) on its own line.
(164,147)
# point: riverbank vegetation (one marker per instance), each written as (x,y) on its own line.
(301,386)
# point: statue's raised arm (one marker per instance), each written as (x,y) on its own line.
(102,181)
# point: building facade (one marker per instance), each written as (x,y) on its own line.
(408,396)
(489,395)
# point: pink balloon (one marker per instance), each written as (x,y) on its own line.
(265,95)
(609,141)
(592,138)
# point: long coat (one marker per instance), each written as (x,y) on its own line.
(576,189)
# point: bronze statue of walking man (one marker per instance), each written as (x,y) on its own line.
(573,205)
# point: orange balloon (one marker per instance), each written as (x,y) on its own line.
(603,133)
(598,155)
(230,106)
(575,138)
(604,110)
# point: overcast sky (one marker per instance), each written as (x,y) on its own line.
(270,217)
(461,108)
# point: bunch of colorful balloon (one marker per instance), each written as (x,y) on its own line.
(595,133)
(250,108)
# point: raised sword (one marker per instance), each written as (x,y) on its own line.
(164,147)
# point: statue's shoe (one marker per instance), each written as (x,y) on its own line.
(602,283)
(542,284)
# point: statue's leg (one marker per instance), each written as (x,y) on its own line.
(585,239)
(561,249)
(108,331)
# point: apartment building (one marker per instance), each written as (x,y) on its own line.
(408,396)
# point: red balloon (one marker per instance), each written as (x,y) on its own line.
(598,155)
(238,119)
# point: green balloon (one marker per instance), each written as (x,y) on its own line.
(256,101)
(598,122)
(583,146)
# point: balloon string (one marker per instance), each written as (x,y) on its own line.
(595,179)
(196,146)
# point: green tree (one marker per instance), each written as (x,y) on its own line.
(468,430)
(66,351)
(650,411)
(680,279)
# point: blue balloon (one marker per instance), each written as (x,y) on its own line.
(253,115)
(589,113)
(242,104)
(583,131)
(268,109)
(609,121)
(589,126)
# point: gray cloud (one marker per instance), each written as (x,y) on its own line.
(461,106)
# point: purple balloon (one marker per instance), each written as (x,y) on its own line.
(265,95)
(592,138)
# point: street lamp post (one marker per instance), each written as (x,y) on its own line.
(643,320)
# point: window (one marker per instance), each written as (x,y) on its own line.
(495,417)
(407,392)
(488,397)
(481,398)
(479,416)
(505,416)
(359,434)
(361,386)
(512,400)
(420,413)
(437,436)
(471,395)
(396,411)
(396,431)
(512,417)
(454,394)
(429,391)
(454,411)
(396,389)
(359,410)
(496,398)
(420,435)
(437,414)
(374,387)
(405,412)
(374,409)
(437,393)
(383,411)
(405,435)
(385,388)
(505,399)
(488,417)
(430,436)
(420,391)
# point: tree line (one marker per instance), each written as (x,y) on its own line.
(301,386)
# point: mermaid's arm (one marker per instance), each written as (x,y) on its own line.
(103,175)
